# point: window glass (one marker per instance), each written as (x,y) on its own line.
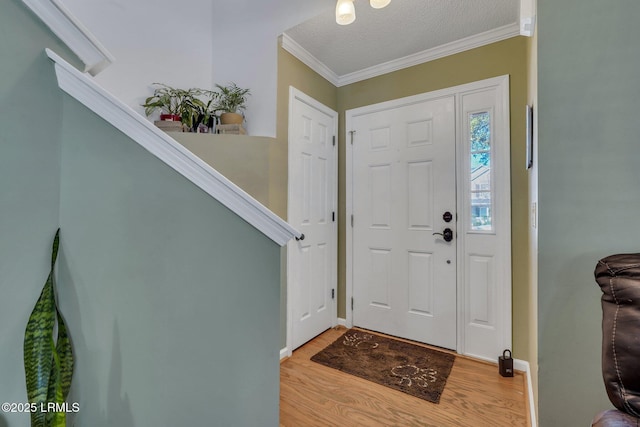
(480,173)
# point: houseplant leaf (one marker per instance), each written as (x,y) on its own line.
(48,363)
(61,373)
(38,348)
(65,356)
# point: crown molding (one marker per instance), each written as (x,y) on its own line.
(84,89)
(308,59)
(467,43)
(71,31)
(472,42)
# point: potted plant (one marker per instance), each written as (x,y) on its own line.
(192,110)
(231,101)
(178,105)
(204,111)
(166,99)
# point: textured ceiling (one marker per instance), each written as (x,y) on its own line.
(403,28)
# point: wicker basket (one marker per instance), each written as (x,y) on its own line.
(231,130)
(169,125)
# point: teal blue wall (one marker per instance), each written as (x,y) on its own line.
(172,301)
(30,123)
(589,189)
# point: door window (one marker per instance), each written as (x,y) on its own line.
(481,188)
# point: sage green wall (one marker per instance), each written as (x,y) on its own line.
(171,299)
(589,57)
(505,57)
(29,183)
(152,271)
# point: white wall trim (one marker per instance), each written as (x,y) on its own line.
(527,17)
(308,59)
(341,322)
(71,31)
(472,42)
(524,366)
(284,352)
(88,92)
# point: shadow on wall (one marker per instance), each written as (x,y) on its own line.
(3,422)
(118,405)
(572,300)
(85,385)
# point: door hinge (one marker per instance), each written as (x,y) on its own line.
(351,303)
(333,216)
(333,294)
(334,140)
(351,220)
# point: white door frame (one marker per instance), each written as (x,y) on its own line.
(502,207)
(295,94)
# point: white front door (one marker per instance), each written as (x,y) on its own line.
(312,261)
(404,193)
(412,161)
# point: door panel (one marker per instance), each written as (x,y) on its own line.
(404,179)
(312,264)
(485,222)
(406,161)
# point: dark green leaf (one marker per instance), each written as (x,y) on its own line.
(48,363)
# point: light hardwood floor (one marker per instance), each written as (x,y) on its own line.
(475,395)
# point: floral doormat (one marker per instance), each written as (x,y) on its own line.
(415,370)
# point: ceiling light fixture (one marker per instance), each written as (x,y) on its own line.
(346,11)
(379,4)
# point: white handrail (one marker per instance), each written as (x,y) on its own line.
(86,90)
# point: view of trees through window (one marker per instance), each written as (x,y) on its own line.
(480,138)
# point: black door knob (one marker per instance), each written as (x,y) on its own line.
(447,234)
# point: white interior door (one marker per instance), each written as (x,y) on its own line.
(312,261)
(404,191)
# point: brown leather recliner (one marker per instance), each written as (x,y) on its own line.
(619,280)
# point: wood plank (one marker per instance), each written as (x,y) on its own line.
(476,395)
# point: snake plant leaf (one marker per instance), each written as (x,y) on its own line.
(55,394)
(38,350)
(48,364)
(65,355)
(61,374)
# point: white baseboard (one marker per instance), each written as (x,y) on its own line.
(523,365)
(284,353)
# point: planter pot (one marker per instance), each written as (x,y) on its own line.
(231,119)
(170,117)
(169,125)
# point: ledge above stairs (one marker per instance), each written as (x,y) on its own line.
(84,89)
